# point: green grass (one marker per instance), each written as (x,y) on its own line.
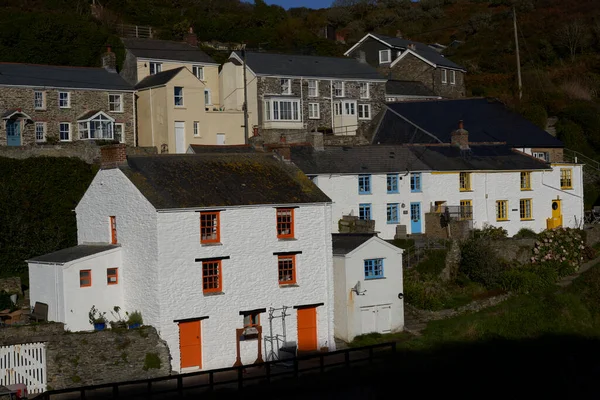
(402,243)
(370,339)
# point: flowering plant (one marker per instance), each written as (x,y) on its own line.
(560,248)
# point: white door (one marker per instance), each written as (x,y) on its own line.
(376,319)
(179,137)
(220,138)
(367,318)
(384,323)
(345,117)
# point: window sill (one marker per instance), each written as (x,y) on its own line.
(527,219)
(180,107)
(465,190)
(503,220)
(286,239)
(211,244)
(375,279)
(212,293)
(39,109)
(393,192)
(314,117)
(392,223)
(416,191)
(526,190)
(364,119)
(116,112)
(288,285)
(566,188)
(364,193)
(64,108)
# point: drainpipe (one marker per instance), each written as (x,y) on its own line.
(152,119)
(135,138)
(301,102)
(331,106)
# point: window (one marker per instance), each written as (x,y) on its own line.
(211,276)
(566,178)
(364,184)
(392,183)
(115,102)
(286,86)
(392,213)
(453,77)
(465,181)
(119,132)
(40,131)
(64,99)
(525,209)
(178,92)
(99,126)
(349,108)
(64,129)
(364,111)
(155,68)
(112,276)
(466,209)
(286,265)
(502,210)
(282,110)
(385,56)
(85,278)
(542,155)
(207,97)
(525,180)
(444,76)
(374,268)
(113,229)
(338,89)
(364,90)
(39,100)
(313,88)
(198,71)
(285,223)
(313,111)
(252,319)
(364,211)
(210,229)
(415,182)
(197,128)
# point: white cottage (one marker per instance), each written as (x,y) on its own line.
(228,256)
(367,275)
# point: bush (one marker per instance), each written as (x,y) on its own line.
(525,233)
(152,361)
(559,248)
(426,295)
(528,278)
(480,263)
(433,263)
(490,232)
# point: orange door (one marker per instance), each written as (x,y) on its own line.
(190,346)
(307,329)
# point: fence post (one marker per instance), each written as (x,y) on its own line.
(240,377)
(115,390)
(296,367)
(322,362)
(347,357)
(268,371)
(393,347)
(211,381)
(83,393)
(180,384)
(370,355)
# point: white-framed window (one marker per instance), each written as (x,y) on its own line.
(364,111)
(64,131)
(313,88)
(349,108)
(115,102)
(364,90)
(178,96)
(155,68)
(282,110)
(64,99)
(338,88)
(207,97)
(197,128)
(98,127)
(542,155)
(40,131)
(286,86)
(119,132)
(385,56)
(39,100)
(398,53)
(444,75)
(198,71)
(453,77)
(337,107)
(313,111)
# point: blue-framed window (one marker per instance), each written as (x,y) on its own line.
(392,213)
(415,182)
(374,268)
(364,184)
(392,183)
(364,211)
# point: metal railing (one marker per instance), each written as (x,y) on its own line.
(143,32)
(576,157)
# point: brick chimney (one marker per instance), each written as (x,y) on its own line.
(460,137)
(109,60)
(412,47)
(112,155)
(191,38)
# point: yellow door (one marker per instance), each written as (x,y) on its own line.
(556,209)
(556,220)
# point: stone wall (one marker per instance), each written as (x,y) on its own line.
(514,250)
(474,306)
(351,224)
(11,285)
(88,358)
(435,227)
(592,235)
(555,154)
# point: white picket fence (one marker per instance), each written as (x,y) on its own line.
(24,363)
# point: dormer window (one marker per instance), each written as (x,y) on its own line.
(155,68)
(385,56)
(198,72)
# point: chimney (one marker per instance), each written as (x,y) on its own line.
(412,47)
(109,60)
(460,137)
(282,139)
(191,38)
(399,34)
(112,155)
(362,58)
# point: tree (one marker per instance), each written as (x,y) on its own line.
(573,37)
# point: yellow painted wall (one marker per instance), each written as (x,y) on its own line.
(231,81)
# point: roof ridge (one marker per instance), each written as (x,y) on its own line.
(52,65)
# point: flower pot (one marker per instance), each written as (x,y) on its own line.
(324,349)
(99,326)
(134,326)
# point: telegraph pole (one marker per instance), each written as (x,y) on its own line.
(245,96)
(518,56)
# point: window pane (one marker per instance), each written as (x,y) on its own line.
(209,227)
(287,270)
(285,221)
(211,276)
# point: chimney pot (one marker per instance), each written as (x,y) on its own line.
(461,124)
(191,38)
(460,137)
(282,139)
(113,155)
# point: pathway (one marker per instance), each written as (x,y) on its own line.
(567,280)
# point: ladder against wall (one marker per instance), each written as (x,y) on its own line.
(26,364)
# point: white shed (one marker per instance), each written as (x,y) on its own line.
(368,288)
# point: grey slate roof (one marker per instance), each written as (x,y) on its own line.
(421,49)
(487,120)
(166,50)
(205,148)
(408,88)
(218,180)
(158,79)
(72,253)
(344,243)
(61,77)
(309,66)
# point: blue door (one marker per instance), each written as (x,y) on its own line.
(415,218)
(13,133)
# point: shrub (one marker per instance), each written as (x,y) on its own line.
(490,232)
(433,263)
(528,278)
(525,233)
(559,248)
(480,263)
(152,361)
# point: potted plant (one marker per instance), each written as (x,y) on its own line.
(134,320)
(118,322)
(97,318)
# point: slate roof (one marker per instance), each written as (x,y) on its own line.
(486,120)
(72,253)
(166,50)
(421,49)
(219,180)
(158,79)
(344,243)
(309,66)
(408,88)
(61,77)
(204,148)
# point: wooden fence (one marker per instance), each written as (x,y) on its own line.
(24,363)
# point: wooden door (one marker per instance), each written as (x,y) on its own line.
(180,137)
(307,329)
(367,320)
(384,323)
(190,344)
(13,132)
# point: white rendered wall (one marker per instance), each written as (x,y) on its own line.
(45,286)
(343,300)
(250,280)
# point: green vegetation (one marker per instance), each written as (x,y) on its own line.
(525,233)
(75,379)
(152,361)
(375,338)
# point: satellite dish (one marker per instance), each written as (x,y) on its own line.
(358,289)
